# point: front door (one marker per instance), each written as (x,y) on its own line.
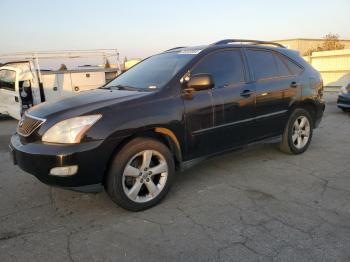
(199,118)
(218,119)
(9,94)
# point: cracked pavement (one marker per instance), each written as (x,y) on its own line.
(256,204)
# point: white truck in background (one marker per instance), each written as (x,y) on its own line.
(24,82)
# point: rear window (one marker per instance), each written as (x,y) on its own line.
(263,63)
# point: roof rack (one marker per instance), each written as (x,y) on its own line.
(62,54)
(34,56)
(254,42)
(174,48)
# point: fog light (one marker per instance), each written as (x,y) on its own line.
(64,171)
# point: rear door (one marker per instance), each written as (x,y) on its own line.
(274,89)
(9,94)
(290,72)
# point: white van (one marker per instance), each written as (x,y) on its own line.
(23,84)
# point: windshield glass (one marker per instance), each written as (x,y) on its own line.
(7,79)
(152,73)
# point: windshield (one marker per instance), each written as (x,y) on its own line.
(7,79)
(152,73)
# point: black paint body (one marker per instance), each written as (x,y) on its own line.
(343,101)
(203,123)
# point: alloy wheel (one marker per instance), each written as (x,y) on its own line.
(145,176)
(301,132)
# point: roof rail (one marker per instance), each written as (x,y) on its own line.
(254,42)
(174,48)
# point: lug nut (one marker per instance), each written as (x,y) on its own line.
(141,180)
(147,179)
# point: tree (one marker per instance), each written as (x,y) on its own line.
(331,42)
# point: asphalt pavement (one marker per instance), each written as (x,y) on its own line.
(257,204)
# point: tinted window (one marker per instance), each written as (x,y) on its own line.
(281,66)
(7,79)
(226,68)
(294,68)
(263,64)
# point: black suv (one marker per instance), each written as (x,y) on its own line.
(168,112)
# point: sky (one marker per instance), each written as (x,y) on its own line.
(139,28)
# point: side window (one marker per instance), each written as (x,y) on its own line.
(293,67)
(263,64)
(7,79)
(226,68)
(283,70)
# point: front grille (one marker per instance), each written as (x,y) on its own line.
(28,125)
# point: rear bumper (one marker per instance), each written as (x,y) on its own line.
(38,159)
(320,107)
(344,101)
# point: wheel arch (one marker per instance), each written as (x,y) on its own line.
(161,134)
(309,105)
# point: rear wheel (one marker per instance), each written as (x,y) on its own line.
(298,132)
(141,174)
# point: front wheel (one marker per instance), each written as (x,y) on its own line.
(141,174)
(298,132)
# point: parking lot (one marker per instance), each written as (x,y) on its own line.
(257,204)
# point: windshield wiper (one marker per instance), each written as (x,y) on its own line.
(123,87)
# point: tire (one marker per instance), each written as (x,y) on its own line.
(296,139)
(134,172)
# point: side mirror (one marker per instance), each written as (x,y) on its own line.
(200,82)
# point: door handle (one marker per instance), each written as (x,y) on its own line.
(246,93)
(294,84)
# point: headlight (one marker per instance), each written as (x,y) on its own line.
(70,131)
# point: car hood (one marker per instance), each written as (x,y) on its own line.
(83,103)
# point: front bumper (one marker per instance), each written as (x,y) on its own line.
(344,101)
(38,159)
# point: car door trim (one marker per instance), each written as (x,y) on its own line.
(197,132)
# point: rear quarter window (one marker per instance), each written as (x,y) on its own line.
(293,67)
